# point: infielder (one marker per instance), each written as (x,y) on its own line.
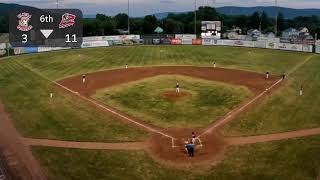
(267,75)
(177,88)
(83,78)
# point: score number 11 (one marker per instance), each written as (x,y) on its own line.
(72,39)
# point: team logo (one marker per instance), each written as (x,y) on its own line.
(24,19)
(67,20)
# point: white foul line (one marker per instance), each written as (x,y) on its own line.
(101,106)
(240,109)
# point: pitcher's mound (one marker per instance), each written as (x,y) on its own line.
(174,96)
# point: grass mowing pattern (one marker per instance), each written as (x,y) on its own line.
(285,110)
(26,98)
(144,99)
(286,160)
(58,65)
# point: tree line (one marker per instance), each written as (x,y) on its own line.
(176,23)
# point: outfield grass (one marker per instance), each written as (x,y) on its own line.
(281,113)
(285,110)
(58,65)
(65,117)
(285,160)
(206,102)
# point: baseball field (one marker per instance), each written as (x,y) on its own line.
(130,123)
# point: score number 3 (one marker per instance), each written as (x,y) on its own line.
(73,37)
(24,38)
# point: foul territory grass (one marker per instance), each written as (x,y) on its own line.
(203,101)
(64,117)
(286,160)
(285,110)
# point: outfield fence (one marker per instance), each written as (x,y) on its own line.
(178,39)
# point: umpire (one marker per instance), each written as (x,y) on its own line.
(190,148)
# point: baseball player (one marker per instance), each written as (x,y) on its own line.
(83,78)
(193,138)
(267,75)
(190,148)
(177,88)
(126,66)
(214,65)
(283,76)
(301,90)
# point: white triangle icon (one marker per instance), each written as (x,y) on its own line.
(46,32)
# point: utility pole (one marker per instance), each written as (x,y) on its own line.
(195,17)
(128,17)
(276,24)
(57,4)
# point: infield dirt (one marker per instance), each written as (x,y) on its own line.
(160,147)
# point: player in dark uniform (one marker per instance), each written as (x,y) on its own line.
(283,76)
(190,148)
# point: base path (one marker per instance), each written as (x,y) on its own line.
(272,137)
(85,145)
(254,81)
(17,156)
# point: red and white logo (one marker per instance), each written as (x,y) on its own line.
(67,20)
(24,19)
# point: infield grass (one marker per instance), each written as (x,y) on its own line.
(206,100)
(65,117)
(295,159)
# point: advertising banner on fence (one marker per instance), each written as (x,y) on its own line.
(176,41)
(207,42)
(289,47)
(110,38)
(186,41)
(196,41)
(261,44)
(244,43)
(228,42)
(271,45)
(317,49)
(47,49)
(185,36)
(94,44)
(307,48)
(218,42)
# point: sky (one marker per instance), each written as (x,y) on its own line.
(145,7)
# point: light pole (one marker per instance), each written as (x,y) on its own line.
(276,24)
(128,17)
(57,4)
(195,17)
